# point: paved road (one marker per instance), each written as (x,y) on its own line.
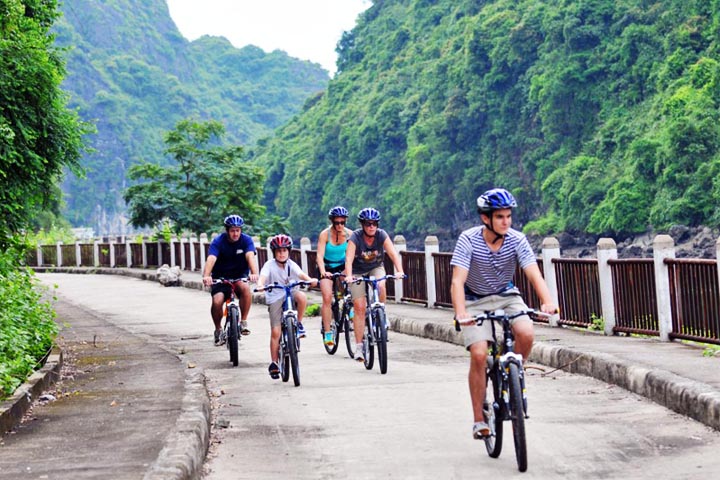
(414,422)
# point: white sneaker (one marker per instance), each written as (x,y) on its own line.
(359,356)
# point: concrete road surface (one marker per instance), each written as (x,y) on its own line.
(414,422)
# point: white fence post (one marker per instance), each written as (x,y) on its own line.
(193,262)
(39,256)
(400,246)
(96,253)
(160,255)
(550,250)
(304,247)
(78,255)
(144,253)
(111,247)
(663,247)
(128,253)
(59,254)
(203,242)
(183,257)
(173,259)
(606,250)
(432,245)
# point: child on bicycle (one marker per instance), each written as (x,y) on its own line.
(282,270)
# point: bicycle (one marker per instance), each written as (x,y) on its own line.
(231,314)
(341,313)
(375,323)
(289,341)
(505,371)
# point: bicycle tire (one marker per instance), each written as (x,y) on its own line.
(334,329)
(493,443)
(232,334)
(381,339)
(284,356)
(349,329)
(517,414)
(293,351)
(368,345)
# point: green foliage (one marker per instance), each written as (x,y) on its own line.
(596,323)
(39,136)
(209,182)
(711,351)
(312,310)
(26,322)
(600,116)
(131,71)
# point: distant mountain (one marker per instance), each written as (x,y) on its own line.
(132,73)
(601,116)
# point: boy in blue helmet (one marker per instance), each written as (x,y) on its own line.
(231,255)
(484,262)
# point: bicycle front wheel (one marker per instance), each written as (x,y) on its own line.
(232,334)
(381,339)
(517,415)
(493,400)
(284,354)
(349,330)
(293,351)
(369,344)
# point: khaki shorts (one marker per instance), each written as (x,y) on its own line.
(510,303)
(275,310)
(358,289)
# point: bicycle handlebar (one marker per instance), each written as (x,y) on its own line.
(229,280)
(272,286)
(379,279)
(497,315)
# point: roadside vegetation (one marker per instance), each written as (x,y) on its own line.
(26,322)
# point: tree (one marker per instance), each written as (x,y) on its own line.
(39,136)
(208,182)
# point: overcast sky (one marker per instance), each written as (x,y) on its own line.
(305,29)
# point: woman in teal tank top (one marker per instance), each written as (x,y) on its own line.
(332,244)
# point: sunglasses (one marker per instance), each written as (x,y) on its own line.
(370,224)
(338,223)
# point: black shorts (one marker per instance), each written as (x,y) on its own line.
(223,288)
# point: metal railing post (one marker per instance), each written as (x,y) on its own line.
(304,247)
(400,246)
(606,250)
(663,247)
(550,250)
(432,245)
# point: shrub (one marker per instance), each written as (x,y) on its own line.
(26,322)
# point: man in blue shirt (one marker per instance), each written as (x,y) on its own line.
(231,256)
(484,262)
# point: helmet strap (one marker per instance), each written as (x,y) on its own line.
(489,227)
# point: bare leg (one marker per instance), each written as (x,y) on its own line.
(216,309)
(326,310)
(275,344)
(524,337)
(360,306)
(476,378)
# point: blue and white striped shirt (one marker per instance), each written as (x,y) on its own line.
(491,272)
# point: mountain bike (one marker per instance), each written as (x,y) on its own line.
(375,322)
(231,315)
(341,306)
(289,341)
(507,400)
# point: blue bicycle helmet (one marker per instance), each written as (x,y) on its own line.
(369,214)
(233,221)
(495,199)
(338,211)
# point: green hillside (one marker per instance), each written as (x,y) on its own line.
(132,73)
(600,115)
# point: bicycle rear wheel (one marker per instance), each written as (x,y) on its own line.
(293,351)
(334,329)
(493,443)
(232,333)
(381,339)
(517,415)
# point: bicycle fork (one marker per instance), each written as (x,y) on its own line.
(505,361)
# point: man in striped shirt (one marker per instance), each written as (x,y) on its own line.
(484,262)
